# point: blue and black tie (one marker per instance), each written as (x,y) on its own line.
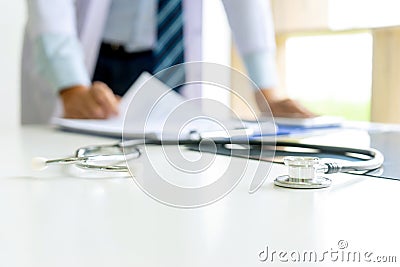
(169,49)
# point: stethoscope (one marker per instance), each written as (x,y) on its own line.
(304,171)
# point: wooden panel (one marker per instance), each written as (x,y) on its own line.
(300,15)
(321,15)
(385,100)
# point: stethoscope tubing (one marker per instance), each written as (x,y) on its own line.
(375,161)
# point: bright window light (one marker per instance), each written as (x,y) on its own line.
(351,14)
(331,74)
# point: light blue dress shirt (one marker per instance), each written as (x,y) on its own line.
(134,27)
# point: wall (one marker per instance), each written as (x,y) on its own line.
(12,19)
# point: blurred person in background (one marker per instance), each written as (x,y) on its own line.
(85,54)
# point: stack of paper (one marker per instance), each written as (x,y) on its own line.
(315,122)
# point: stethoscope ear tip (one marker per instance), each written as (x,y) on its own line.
(39,163)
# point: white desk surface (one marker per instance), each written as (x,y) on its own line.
(51,218)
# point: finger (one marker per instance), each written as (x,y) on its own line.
(88,110)
(93,110)
(104,96)
(306,113)
(290,109)
(298,110)
(301,109)
(78,103)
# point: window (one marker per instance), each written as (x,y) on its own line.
(331,74)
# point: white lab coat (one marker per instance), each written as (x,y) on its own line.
(38,99)
(86,19)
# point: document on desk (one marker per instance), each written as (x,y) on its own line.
(315,122)
(143,114)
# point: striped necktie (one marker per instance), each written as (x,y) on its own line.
(169,49)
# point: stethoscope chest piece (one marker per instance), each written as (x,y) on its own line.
(302,174)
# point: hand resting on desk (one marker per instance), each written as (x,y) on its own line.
(95,102)
(281,106)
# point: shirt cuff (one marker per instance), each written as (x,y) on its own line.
(261,68)
(61,61)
